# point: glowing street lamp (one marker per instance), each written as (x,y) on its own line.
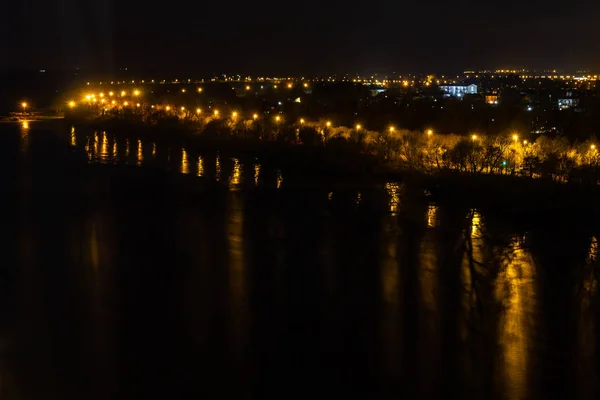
(593,147)
(474,137)
(358,127)
(182,108)
(234,115)
(515,138)
(524,142)
(125,104)
(328,124)
(302,120)
(429,132)
(216,112)
(277,118)
(122,93)
(24,105)
(199,90)
(168,108)
(113,102)
(255,116)
(392,129)
(136,93)
(111,94)
(198,111)
(71,104)
(137,105)
(247,87)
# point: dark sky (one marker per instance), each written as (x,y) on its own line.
(299,37)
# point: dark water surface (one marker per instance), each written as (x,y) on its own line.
(131,286)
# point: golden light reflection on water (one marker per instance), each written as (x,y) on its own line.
(329,195)
(200,166)
(593,251)
(184,162)
(88,149)
(218,168)
(236,271)
(153,149)
(96,140)
(393,191)
(256,173)
(279,179)
(73,137)
(358,198)
(476,224)
(432,216)
(516,291)
(140,153)
(115,150)
(104,147)
(235,175)
(24,130)
(127,146)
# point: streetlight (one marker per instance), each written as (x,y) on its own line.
(199,90)
(474,137)
(111,94)
(524,142)
(182,90)
(593,147)
(234,115)
(358,127)
(255,116)
(198,111)
(168,108)
(429,132)
(515,138)
(216,112)
(182,108)
(277,118)
(122,93)
(136,93)
(328,124)
(71,104)
(24,105)
(302,120)
(392,129)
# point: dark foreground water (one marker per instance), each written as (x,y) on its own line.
(116,284)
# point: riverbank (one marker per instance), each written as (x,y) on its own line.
(309,166)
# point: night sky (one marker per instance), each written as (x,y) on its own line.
(299,37)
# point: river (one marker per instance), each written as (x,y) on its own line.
(263,286)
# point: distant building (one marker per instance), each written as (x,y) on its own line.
(564,104)
(458,90)
(493,99)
